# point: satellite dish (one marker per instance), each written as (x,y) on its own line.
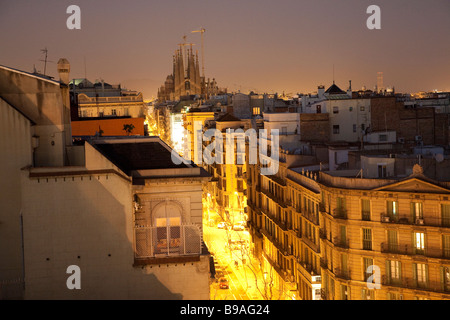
(439,157)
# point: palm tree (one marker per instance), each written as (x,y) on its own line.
(128,128)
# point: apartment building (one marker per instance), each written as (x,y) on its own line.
(323,230)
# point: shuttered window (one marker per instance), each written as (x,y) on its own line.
(392,240)
(365,209)
(445,209)
(367,239)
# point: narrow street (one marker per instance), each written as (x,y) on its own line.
(241,277)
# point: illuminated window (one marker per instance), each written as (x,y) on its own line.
(393,271)
(419,242)
(420,274)
(392,209)
(416,211)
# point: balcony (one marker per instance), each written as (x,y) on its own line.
(425,221)
(308,272)
(322,207)
(411,283)
(323,263)
(342,273)
(341,243)
(340,213)
(405,249)
(311,216)
(167,242)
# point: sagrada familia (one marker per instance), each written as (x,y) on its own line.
(186,81)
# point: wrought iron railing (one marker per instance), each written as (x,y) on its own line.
(167,241)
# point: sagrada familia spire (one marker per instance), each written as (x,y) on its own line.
(185,79)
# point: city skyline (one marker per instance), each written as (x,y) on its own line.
(263,46)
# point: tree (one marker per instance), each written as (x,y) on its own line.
(128,128)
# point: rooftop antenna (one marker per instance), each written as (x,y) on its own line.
(45,60)
(333,73)
(85,76)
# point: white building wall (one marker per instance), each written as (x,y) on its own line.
(88,222)
(15,153)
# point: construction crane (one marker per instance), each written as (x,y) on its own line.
(202,31)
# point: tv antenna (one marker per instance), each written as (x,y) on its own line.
(45,59)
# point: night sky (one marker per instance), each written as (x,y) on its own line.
(260,45)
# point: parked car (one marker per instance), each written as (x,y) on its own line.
(222,225)
(223,283)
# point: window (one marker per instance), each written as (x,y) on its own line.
(394,296)
(420,274)
(419,242)
(365,209)
(367,294)
(367,239)
(350,109)
(343,237)
(416,211)
(367,262)
(256,111)
(362,108)
(445,210)
(340,207)
(354,128)
(392,241)
(344,292)
(382,137)
(113,112)
(335,109)
(393,271)
(446,246)
(445,278)
(335,129)
(382,171)
(392,210)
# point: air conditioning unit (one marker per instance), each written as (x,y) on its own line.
(419,221)
(418,138)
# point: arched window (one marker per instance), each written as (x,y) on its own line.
(167,220)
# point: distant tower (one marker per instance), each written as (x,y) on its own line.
(380,85)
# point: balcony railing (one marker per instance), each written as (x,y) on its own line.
(167,241)
(412,283)
(324,263)
(440,253)
(311,216)
(340,213)
(342,273)
(341,243)
(425,221)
